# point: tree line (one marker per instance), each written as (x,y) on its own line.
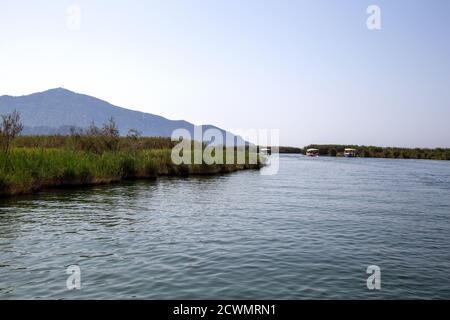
(335,150)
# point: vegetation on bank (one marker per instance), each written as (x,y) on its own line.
(93,156)
(27,170)
(283,149)
(380,152)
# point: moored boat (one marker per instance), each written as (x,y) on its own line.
(350,153)
(312,152)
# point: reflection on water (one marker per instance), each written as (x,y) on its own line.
(308,232)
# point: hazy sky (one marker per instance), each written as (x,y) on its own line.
(309,68)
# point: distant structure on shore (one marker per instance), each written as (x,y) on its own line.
(350,152)
(312,152)
(335,150)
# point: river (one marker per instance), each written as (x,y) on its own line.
(309,231)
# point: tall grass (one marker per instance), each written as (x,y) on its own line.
(38,162)
(87,142)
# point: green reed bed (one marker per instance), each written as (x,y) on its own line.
(25,170)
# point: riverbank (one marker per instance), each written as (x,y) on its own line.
(334,150)
(28,170)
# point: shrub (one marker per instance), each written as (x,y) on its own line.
(10,127)
(127,167)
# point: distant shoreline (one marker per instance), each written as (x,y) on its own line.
(374,152)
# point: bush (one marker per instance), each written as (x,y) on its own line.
(127,167)
(150,168)
(10,127)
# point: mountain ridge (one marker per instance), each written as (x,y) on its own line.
(54,110)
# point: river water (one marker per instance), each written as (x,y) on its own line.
(309,231)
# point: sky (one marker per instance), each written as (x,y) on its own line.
(312,69)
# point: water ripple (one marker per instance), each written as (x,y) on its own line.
(308,232)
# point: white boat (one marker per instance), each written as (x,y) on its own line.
(265,151)
(350,153)
(312,152)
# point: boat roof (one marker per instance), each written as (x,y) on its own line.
(312,150)
(349,149)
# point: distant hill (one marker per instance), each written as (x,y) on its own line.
(57,110)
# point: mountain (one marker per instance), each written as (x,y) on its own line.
(57,110)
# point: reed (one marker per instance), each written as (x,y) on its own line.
(35,163)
